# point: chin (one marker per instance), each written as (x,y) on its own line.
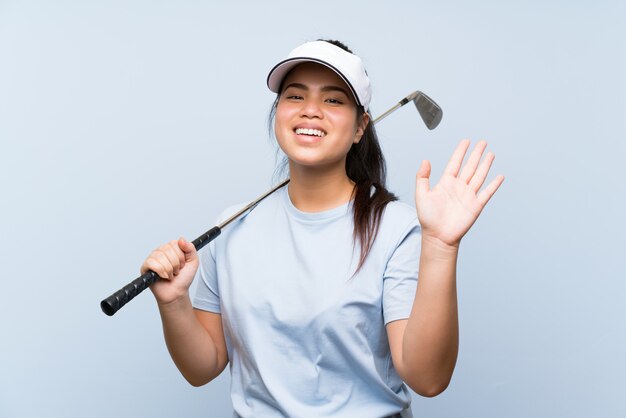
(306,162)
(314,157)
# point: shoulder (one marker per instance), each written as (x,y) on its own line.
(399,208)
(399,214)
(229,212)
(399,222)
(270,203)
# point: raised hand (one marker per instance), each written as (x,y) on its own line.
(447,211)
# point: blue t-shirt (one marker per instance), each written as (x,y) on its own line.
(305,335)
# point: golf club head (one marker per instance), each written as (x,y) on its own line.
(429,110)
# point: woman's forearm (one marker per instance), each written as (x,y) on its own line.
(190,345)
(431,336)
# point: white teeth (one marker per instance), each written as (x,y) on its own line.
(316,132)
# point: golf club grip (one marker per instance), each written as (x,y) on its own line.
(117,300)
(207,237)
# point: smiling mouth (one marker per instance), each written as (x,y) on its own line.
(311,132)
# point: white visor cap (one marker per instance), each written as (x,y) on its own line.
(348,66)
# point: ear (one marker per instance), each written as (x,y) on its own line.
(360,129)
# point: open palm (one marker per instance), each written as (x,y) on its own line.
(447,211)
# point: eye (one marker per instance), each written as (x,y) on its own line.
(291,96)
(334,100)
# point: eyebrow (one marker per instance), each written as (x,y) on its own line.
(323,89)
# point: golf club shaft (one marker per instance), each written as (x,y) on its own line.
(120,298)
(387,113)
(117,300)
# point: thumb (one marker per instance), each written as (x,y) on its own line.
(422,179)
(188,248)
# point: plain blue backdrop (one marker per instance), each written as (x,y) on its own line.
(124,124)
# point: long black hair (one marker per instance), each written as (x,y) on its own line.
(365,166)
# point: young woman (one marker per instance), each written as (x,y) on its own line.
(313,296)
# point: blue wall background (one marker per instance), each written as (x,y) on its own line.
(124,124)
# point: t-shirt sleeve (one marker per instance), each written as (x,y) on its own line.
(400,278)
(207,291)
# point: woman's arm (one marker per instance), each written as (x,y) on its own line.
(194,338)
(424,347)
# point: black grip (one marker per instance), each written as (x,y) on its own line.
(207,237)
(120,298)
(117,300)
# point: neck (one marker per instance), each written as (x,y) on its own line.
(315,190)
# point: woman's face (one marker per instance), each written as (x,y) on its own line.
(316,117)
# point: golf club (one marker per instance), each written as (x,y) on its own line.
(431,115)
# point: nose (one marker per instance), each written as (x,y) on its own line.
(311,108)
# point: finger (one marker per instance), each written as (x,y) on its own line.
(422,182)
(174,255)
(481,173)
(454,165)
(188,249)
(485,195)
(472,162)
(168,269)
(153,264)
